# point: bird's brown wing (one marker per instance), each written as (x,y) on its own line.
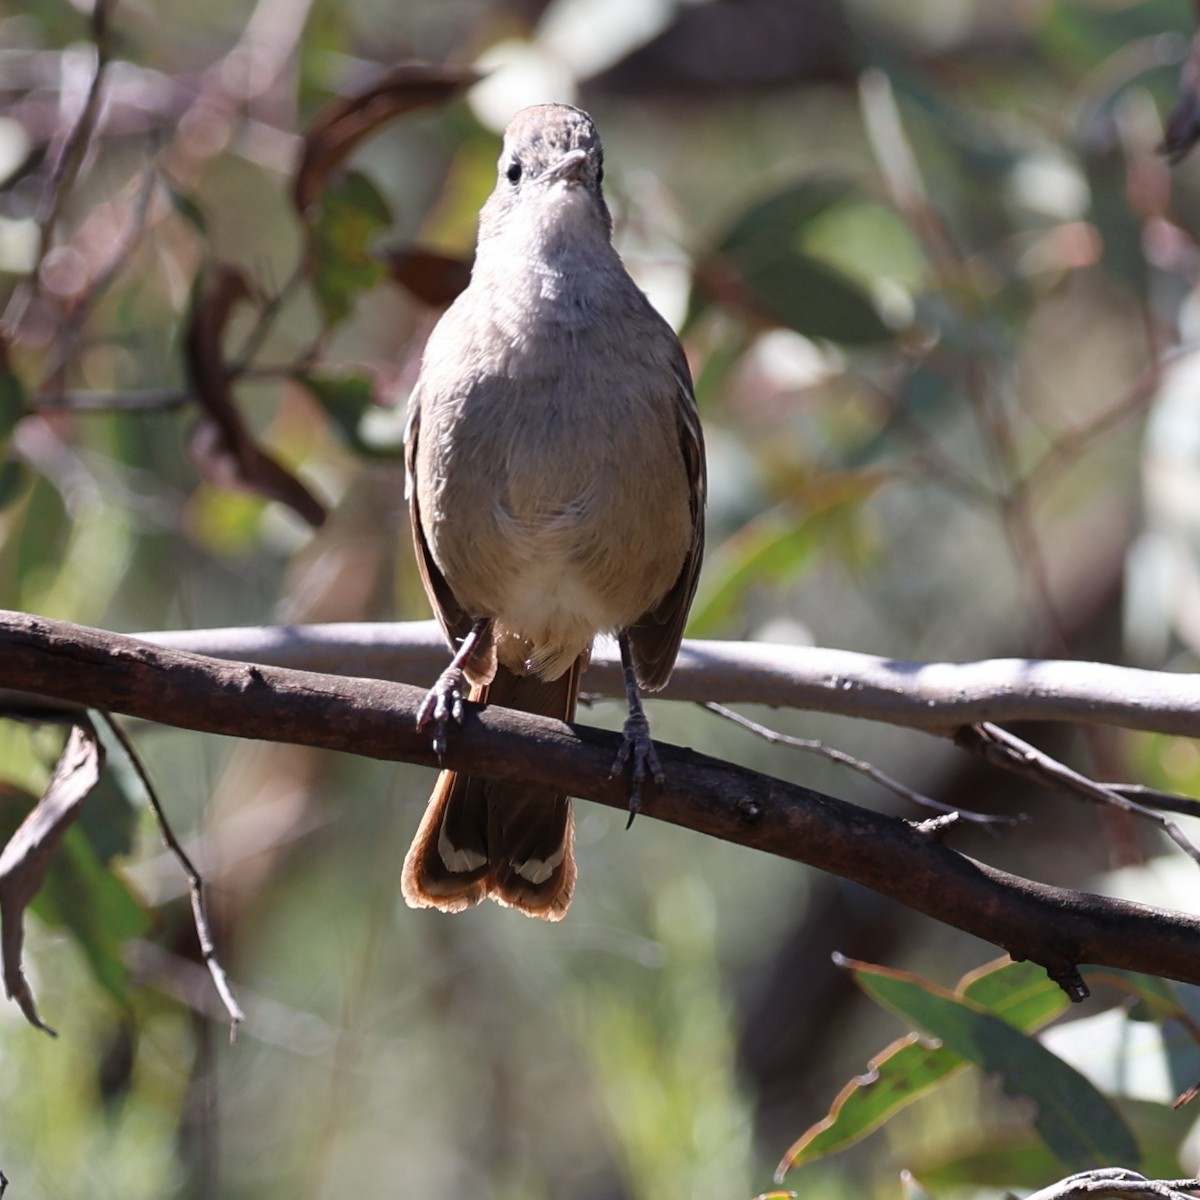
(454,620)
(655,636)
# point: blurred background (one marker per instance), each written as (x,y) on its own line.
(938,289)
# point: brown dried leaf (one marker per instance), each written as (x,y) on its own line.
(220,444)
(26,858)
(339,126)
(435,279)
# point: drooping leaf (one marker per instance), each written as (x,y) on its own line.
(759,268)
(341,262)
(999,1158)
(435,279)
(220,444)
(340,125)
(1018,993)
(83,896)
(1071,1116)
(777,544)
(26,859)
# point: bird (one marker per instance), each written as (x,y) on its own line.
(555,476)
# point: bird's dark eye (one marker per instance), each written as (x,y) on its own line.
(514,171)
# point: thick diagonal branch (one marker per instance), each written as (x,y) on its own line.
(1052,926)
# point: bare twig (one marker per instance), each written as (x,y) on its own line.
(68,336)
(1005,749)
(1154,798)
(813,746)
(66,165)
(1054,927)
(142,400)
(938,697)
(265,320)
(1118,1182)
(208,950)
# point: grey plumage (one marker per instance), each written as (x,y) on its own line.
(556,488)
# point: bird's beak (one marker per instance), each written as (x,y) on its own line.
(570,167)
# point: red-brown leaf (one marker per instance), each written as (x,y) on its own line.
(435,279)
(340,125)
(220,444)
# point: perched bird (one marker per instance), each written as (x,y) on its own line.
(556,487)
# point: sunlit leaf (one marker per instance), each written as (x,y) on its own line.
(1000,1158)
(1075,1121)
(1019,993)
(912,1187)
(340,260)
(777,544)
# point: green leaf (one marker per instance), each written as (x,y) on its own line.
(778,218)
(12,480)
(777,544)
(1075,1121)
(1000,1158)
(81,895)
(349,400)
(1018,993)
(351,213)
(761,268)
(815,300)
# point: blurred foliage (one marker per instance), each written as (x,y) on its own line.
(938,289)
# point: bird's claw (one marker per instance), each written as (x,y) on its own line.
(637,749)
(443,703)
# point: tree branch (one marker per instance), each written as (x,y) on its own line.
(935,697)
(1054,927)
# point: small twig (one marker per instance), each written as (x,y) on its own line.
(1071,444)
(1117,1182)
(1154,798)
(813,746)
(66,165)
(1005,749)
(265,319)
(143,399)
(208,950)
(117,261)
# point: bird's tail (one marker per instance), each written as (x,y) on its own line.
(508,842)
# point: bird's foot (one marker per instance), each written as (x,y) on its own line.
(443,703)
(637,749)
